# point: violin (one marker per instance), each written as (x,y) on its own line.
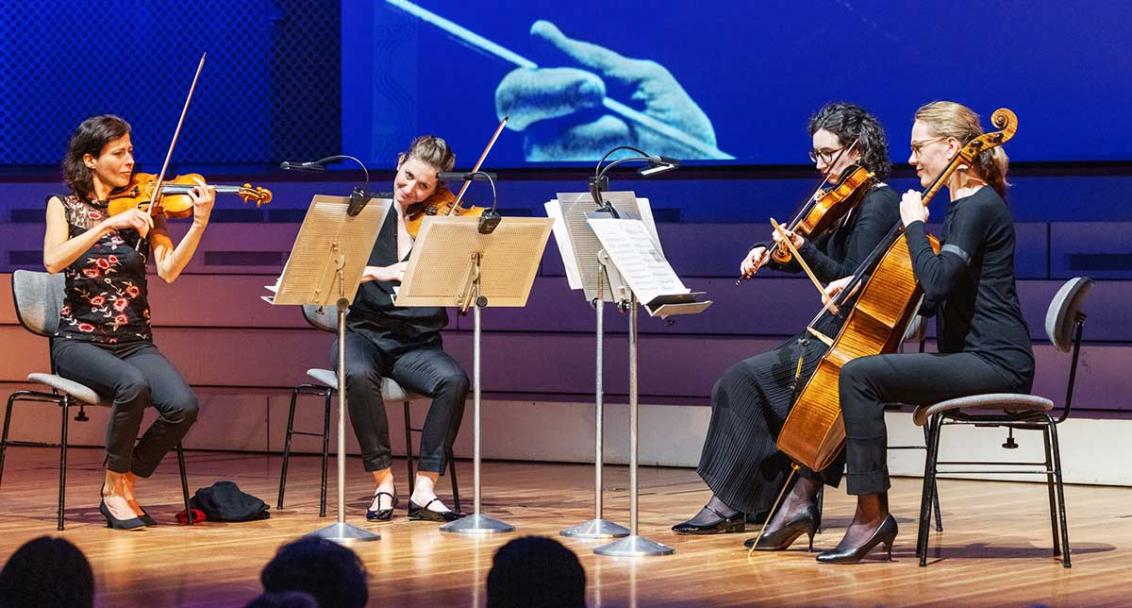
(443,202)
(174,197)
(827,207)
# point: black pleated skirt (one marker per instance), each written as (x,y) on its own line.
(749,405)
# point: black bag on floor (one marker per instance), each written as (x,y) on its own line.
(224,501)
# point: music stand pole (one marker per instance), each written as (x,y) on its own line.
(598,527)
(476,522)
(633,545)
(341,531)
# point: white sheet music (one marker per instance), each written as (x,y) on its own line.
(633,251)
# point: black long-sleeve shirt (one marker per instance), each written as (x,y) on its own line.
(969,285)
(837,253)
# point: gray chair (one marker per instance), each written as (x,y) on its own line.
(1065,324)
(325,385)
(38,297)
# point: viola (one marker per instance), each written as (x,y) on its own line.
(174,198)
(827,208)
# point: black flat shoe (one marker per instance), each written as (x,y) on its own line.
(721,525)
(132,523)
(419,513)
(805,522)
(885,533)
(382,514)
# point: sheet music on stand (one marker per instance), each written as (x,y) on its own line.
(642,265)
(576,241)
(310,273)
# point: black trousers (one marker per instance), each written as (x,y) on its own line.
(426,370)
(868,383)
(132,375)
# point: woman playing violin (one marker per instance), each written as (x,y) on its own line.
(404,344)
(739,461)
(984,343)
(104,339)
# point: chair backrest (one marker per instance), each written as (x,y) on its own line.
(1065,310)
(39,298)
(324,318)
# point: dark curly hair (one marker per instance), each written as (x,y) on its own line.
(851,123)
(89,138)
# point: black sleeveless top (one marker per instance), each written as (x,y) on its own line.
(373,312)
(105,297)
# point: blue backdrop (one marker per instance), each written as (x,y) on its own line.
(755,70)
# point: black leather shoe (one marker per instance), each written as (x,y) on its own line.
(805,522)
(419,513)
(885,533)
(721,525)
(382,514)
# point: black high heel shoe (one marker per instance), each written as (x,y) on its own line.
(146,519)
(382,514)
(722,524)
(419,513)
(805,522)
(132,523)
(885,533)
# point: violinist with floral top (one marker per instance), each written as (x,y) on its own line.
(104,338)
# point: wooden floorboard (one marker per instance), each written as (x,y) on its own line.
(995,551)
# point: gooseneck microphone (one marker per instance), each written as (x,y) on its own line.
(359,196)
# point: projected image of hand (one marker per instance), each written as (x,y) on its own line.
(559,109)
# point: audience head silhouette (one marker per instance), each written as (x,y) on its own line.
(332,574)
(534,571)
(47,572)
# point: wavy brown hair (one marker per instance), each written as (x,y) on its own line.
(89,138)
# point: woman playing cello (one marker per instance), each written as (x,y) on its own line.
(739,461)
(984,343)
(104,339)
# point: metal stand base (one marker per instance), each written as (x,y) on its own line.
(476,524)
(596,528)
(345,532)
(633,546)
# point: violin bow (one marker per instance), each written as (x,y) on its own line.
(172,145)
(479,163)
(176,135)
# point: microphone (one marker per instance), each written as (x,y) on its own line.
(359,196)
(307,166)
(457,176)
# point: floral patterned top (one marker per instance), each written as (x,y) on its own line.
(105,298)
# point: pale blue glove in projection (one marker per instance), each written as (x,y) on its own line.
(565,113)
(562,114)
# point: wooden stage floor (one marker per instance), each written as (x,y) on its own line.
(995,550)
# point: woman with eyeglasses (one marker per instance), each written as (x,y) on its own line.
(740,462)
(984,343)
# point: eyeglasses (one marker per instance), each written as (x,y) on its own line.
(825,155)
(918,146)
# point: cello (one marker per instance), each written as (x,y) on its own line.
(814,432)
